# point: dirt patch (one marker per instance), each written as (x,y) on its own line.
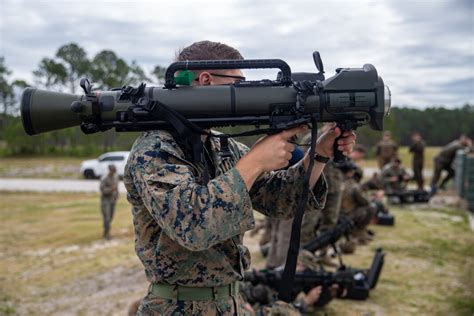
(111,292)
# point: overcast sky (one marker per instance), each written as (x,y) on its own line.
(424,50)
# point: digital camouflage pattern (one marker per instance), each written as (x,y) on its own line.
(153,305)
(335,181)
(190,233)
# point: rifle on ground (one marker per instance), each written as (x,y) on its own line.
(351,283)
(343,228)
(408,197)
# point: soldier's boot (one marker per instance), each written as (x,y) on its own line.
(107,233)
(348,247)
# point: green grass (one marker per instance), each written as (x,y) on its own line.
(48,240)
(41,167)
(428,253)
(50,244)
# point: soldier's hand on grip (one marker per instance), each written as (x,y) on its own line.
(273,152)
(324,145)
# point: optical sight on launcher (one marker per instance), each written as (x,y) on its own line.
(352,97)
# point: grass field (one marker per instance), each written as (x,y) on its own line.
(68,167)
(54,262)
(40,167)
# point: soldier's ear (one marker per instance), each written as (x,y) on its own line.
(205,78)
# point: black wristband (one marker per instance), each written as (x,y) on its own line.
(320,158)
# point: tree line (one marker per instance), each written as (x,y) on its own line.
(107,70)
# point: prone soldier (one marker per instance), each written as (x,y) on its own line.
(354,204)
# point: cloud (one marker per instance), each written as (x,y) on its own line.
(418,47)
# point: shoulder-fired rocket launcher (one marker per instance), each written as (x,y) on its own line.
(353,96)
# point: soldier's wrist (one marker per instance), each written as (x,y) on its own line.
(320,158)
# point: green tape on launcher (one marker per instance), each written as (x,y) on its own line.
(184,78)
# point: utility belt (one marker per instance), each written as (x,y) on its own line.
(186,293)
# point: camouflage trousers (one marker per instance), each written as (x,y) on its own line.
(438,169)
(107,206)
(418,173)
(152,305)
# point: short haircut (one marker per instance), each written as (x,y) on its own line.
(207,50)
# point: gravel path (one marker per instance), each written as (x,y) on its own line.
(71,185)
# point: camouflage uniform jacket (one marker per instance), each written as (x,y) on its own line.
(386,149)
(388,172)
(352,196)
(109,186)
(189,233)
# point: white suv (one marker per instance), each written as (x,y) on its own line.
(96,168)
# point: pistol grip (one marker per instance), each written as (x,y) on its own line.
(338,155)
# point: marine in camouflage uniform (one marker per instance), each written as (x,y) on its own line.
(354,204)
(188,233)
(335,181)
(417,148)
(385,150)
(108,197)
(444,160)
(394,177)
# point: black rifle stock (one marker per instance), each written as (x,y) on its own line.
(331,236)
